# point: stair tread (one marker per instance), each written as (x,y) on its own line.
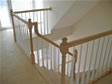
(50,76)
(43,73)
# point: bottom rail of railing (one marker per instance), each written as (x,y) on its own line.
(100,77)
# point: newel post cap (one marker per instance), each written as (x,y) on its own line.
(29,23)
(64,46)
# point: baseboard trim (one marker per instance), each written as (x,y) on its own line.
(100,77)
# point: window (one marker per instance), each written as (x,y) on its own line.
(16,5)
(4,14)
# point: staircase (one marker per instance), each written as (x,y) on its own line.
(50,76)
(55,62)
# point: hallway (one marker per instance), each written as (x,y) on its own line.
(15,67)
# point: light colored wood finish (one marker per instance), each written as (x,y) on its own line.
(89,38)
(64,50)
(61,64)
(31,41)
(34,10)
(24,21)
(69,61)
(29,23)
(64,46)
(74,74)
(102,76)
(48,40)
(106,80)
(14,33)
(43,37)
(50,76)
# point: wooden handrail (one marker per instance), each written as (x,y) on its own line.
(63,49)
(36,31)
(56,67)
(48,40)
(69,60)
(43,37)
(25,11)
(89,38)
(64,46)
(24,21)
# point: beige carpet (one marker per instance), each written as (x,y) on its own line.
(15,68)
(105,80)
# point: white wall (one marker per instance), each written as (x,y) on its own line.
(67,12)
(76,12)
(97,20)
(59,8)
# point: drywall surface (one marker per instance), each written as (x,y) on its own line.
(67,12)
(76,12)
(59,8)
(97,20)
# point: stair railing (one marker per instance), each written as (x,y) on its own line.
(23,28)
(63,49)
(22,32)
(96,52)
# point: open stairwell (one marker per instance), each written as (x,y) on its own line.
(19,70)
(81,61)
(51,77)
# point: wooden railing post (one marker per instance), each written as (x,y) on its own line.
(31,41)
(74,74)
(14,32)
(64,50)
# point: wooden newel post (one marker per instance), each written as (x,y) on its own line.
(64,50)
(14,32)
(31,41)
(74,74)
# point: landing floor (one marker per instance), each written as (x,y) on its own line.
(15,68)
